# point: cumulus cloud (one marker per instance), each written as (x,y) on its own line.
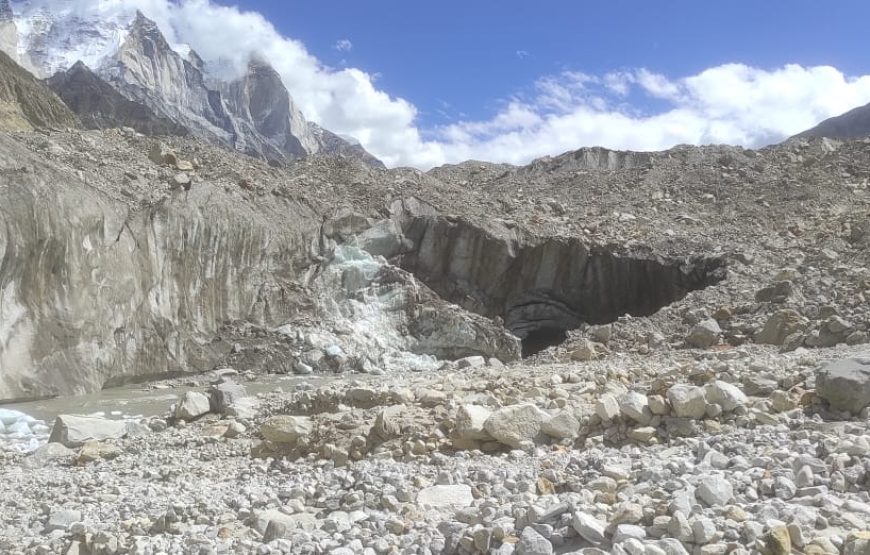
(731,104)
(626,109)
(343,45)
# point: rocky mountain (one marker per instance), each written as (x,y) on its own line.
(25,103)
(98,105)
(851,125)
(253,113)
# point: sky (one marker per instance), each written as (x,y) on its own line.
(427,83)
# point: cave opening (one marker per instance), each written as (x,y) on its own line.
(544,287)
(542,339)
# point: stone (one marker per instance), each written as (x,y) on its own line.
(704,334)
(446,496)
(61,519)
(584,352)
(726,395)
(471,421)
(607,407)
(471,362)
(780,325)
(778,292)
(778,541)
(243,409)
(286,429)
(635,406)
(533,543)
(688,401)
(75,431)
(672,546)
(224,395)
(703,531)
(388,423)
(563,425)
(626,531)
(284,522)
(857,543)
(714,490)
(845,384)
(515,425)
(192,406)
(93,451)
(643,434)
(589,528)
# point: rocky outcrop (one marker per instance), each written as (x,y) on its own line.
(8,31)
(99,106)
(25,103)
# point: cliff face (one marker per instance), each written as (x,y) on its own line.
(99,106)
(90,293)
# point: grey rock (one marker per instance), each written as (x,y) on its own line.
(590,528)
(533,543)
(704,334)
(446,496)
(192,406)
(845,384)
(714,490)
(286,429)
(688,401)
(516,424)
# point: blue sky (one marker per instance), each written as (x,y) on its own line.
(460,60)
(427,83)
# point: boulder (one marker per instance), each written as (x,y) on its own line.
(704,334)
(224,395)
(607,407)
(726,395)
(780,325)
(845,384)
(446,496)
(589,528)
(193,405)
(533,543)
(75,431)
(635,406)
(470,422)
(61,519)
(516,425)
(286,429)
(563,425)
(688,401)
(714,490)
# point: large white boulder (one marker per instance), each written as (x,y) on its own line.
(446,496)
(75,431)
(286,429)
(516,425)
(688,401)
(471,422)
(193,405)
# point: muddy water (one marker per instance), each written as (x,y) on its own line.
(146,400)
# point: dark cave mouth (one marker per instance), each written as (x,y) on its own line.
(544,287)
(542,339)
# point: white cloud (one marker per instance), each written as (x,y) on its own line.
(343,45)
(627,109)
(732,104)
(523,54)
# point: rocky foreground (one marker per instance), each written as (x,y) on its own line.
(731,450)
